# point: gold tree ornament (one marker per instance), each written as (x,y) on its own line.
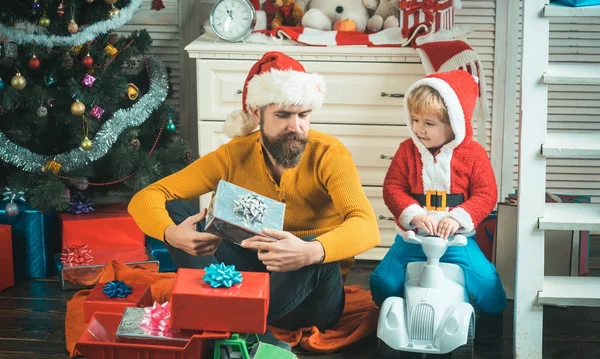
(132,91)
(110,50)
(72,27)
(86,144)
(113,11)
(52,166)
(18,82)
(77,108)
(110,2)
(44,21)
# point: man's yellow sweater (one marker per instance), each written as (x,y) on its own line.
(323,194)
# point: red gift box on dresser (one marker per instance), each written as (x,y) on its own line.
(242,308)
(7,278)
(109,227)
(435,14)
(97,301)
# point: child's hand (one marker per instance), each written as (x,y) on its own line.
(447,227)
(425,222)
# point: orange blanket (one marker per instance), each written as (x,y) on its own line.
(358,321)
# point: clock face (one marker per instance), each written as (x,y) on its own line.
(232,20)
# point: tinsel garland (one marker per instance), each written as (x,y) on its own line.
(104,139)
(88,33)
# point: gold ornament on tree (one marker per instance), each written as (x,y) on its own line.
(44,21)
(132,91)
(110,2)
(110,50)
(73,27)
(18,82)
(86,144)
(113,11)
(52,166)
(77,108)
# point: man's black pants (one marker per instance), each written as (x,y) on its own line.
(312,295)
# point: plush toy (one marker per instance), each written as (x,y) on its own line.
(288,14)
(385,16)
(324,14)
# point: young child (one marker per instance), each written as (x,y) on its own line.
(440,182)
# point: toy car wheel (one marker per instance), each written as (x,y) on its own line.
(466,351)
(387,352)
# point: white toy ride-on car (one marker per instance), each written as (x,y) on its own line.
(435,316)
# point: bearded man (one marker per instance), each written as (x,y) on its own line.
(328,218)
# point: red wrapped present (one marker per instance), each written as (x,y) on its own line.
(114,297)
(435,15)
(7,279)
(242,308)
(110,226)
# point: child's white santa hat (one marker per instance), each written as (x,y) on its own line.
(275,79)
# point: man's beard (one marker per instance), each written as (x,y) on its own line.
(286,149)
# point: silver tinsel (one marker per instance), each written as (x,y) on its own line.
(105,138)
(89,33)
(250,209)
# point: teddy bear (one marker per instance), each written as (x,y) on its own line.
(288,14)
(324,14)
(385,16)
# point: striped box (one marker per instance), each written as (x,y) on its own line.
(436,15)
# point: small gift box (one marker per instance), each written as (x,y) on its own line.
(81,267)
(161,253)
(134,328)
(7,279)
(197,304)
(109,226)
(34,239)
(436,15)
(236,213)
(114,297)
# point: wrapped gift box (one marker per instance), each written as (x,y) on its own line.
(130,331)
(435,14)
(109,226)
(161,253)
(34,239)
(7,279)
(97,301)
(235,213)
(87,275)
(242,308)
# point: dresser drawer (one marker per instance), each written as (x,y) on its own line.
(371,147)
(356,92)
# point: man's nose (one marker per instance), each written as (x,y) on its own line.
(294,124)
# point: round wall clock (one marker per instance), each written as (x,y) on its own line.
(232,20)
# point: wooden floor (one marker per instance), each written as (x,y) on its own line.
(32,325)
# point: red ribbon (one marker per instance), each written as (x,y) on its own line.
(428,7)
(76,255)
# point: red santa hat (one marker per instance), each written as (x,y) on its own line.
(459,90)
(275,79)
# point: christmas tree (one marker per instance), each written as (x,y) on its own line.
(83,111)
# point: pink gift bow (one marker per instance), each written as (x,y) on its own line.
(157,320)
(76,255)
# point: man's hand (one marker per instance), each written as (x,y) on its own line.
(185,237)
(447,227)
(426,223)
(287,253)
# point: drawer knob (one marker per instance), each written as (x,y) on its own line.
(239,92)
(384,157)
(386,218)
(394,95)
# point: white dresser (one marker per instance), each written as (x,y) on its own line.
(363,107)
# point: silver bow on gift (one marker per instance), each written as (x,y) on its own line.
(250,209)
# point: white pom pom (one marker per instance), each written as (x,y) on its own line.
(476,79)
(261,20)
(238,124)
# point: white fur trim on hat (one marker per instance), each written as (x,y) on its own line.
(292,88)
(453,105)
(239,124)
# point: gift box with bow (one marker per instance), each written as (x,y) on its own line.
(107,227)
(236,213)
(436,15)
(220,299)
(115,297)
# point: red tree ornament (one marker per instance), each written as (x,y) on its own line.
(87,61)
(60,12)
(34,62)
(157,5)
